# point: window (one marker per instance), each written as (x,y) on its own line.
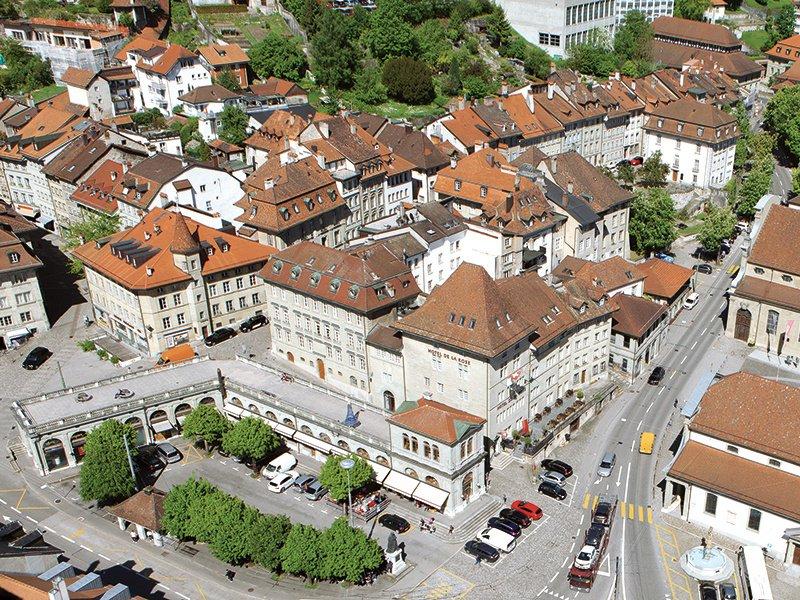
(13,257)
(406,442)
(162,303)
(426,449)
(759,271)
(6,320)
(414,444)
(463,371)
(427,382)
(239,283)
(212,289)
(181,319)
(253,279)
(732,449)
(228,305)
(463,395)
(226,286)
(711,503)
(772,321)
(25,317)
(23,298)
(754,520)
(458,185)
(215,310)
(786,278)
(203,188)
(436,453)
(242,302)
(774,463)
(255,298)
(165,323)
(440,387)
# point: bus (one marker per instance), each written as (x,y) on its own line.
(753,573)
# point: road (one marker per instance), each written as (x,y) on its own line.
(634,480)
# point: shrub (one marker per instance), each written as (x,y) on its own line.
(102,354)
(87,345)
(408,80)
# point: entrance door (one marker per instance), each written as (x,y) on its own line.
(583,376)
(674,176)
(290,357)
(320,368)
(742,328)
(796,556)
(205,331)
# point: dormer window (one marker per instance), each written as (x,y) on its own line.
(498,323)
(210,251)
(680,127)
(700,131)
(556,310)
(461,320)
(661,123)
(452,317)
(352,293)
(226,247)
(458,185)
(253,211)
(277,266)
(314,281)
(13,257)
(296,270)
(335,284)
(508,316)
(484,191)
(547,319)
(582,309)
(718,133)
(471,324)
(296,208)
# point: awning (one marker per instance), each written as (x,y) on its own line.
(280,428)
(400,483)
(234,410)
(380,471)
(161,426)
(310,440)
(431,495)
(18,333)
(793,534)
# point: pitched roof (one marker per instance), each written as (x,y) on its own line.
(145,508)
(478,314)
(768,292)
(786,49)
(532,117)
(482,177)
(373,124)
(413,145)
(754,484)
(385,337)
(695,31)
(274,86)
(688,118)
(167,60)
(363,279)
(77,158)
(143,180)
(279,127)
(436,420)
(10,245)
(600,192)
(141,258)
(634,316)
(95,191)
(139,43)
(208,93)
(219,55)
(736,64)
(78,77)
(663,279)
(771,249)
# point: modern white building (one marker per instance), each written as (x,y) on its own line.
(738,468)
(651,8)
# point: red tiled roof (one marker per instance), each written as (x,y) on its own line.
(218,55)
(78,77)
(663,279)
(695,31)
(436,420)
(95,192)
(771,249)
(634,316)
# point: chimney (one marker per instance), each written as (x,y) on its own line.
(570,187)
(550,91)
(633,85)
(516,181)
(461,104)
(554,164)
(504,90)
(530,101)
(616,75)
(113,175)
(509,202)
(500,105)
(681,79)
(453,162)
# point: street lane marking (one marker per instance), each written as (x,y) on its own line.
(596,502)
(684,359)
(630,511)
(586,499)
(3,501)
(32,520)
(704,331)
(70,540)
(693,345)
(104,557)
(86,548)
(641,513)
(639,426)
(163,586)
(649,515)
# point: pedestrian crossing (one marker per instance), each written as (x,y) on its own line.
(625,510)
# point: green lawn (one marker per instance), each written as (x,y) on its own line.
(755,39)
(252,28)
(47,92)
(771,4)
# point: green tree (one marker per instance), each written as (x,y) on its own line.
(309,15)
(126,20)
(652,221)
(434,47)
(334,477)
(796,180)
(537,62)
(203,515)
(8,10)
(347,553)
(369,88)
(233,522)
(626,174)
(782,117)
(498,30)
(301,553)
(653,171)
(717,225)
(24,71)
(177,503)
(634,38)
(783,21)
(389,35)
(408,80)
(233,125)
(251,439)
(105,470)
(333,51)
(278,56)
(452,83)
(593,57)
(691,9)
(91,228)
(266,538)
(754,186)
(205,423)
(228,80)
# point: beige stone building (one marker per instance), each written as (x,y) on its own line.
(170,280)
(765,308)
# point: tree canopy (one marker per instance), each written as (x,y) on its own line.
(105,471)
(408,80)
(266,538)
(652,222)
(301,552)
(90,228)
(205,423)
(334,477)
(717,225)
(691,9)
(390,35)
(333,51)
(24,71)
(653,171)
(233,125)
(278,56)
(634,38)
(227,80)
(251,439)
(347,552)
(176,506)
(782,117)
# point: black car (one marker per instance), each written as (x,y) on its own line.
(509,514)
(727,591)
(481,550)
(558,466)
(36,358)
(703,268)
(656,376)
(505,526)
(394,522)
(253,322)
(148,460)
(220,335)
(552,490)
(594,535)
(708,591)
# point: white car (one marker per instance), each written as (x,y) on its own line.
(497,539)
(285,462)
(282,481)
(552,477)
(586,557)
(691,301)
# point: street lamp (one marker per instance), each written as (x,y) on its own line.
(347,464)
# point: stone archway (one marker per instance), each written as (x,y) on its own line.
(181,411)
(388,401)
(77,441)
(431,481)
(138,427)
(207,400)
(55,457)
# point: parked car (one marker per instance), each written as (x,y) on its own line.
(742,227)
(551,489)
(282,481)
(303,480)
(691,301)
(253,322)
(552,477)
(708,591)
(219,336)
(509,527)
(558,466)
(637,160)
(394,522)
(515,517)
(607,464)
(665,257)
(315,490)
(285,462)
(704,268)
(497,539)
(169,453)
(727,591)
(586,557)
(623,163)
(594,535)
(481,550)
(656,376)
(148,459)
(529,509)
(36,358)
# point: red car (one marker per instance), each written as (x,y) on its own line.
(637,160)
(527,508)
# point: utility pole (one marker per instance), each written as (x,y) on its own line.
(61,375)
(130,462)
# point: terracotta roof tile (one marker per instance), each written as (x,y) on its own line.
(634,316)
(695,31)
(601,192)
(736,64)
(168,59)
(139,43)
(688,118)
(274,86)
(663,279)
(436,420)
(145,508)
(786,49)
(770,248)
(768,292)
(413,145)
(10,245)
(218,55)
(95,191)
(385,337)
(78,77)
(208,93)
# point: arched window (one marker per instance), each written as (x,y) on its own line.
(181,411)
(54,455)
(382,460)
(253,409)
(414,444)
(411,473)
(466,487)
(426,449)
(207,400)
(325,437)
(288,422)
(343,445)
(362,453)
(406,442)
(307,430)
(136,423)
(436,453)
(353,381)
(772,321)
(236,402)
(431,481)
(77,440)
(158,416)
(271,415)
(388,401)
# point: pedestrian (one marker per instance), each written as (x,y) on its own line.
(477,560)
(505,499)
(450,531)
(675,404)
(421,523)
(134,536)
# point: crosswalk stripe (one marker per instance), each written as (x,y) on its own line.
(586,501)
(649,515)
(622,509)
(596,502)
(630,512)
(641,514)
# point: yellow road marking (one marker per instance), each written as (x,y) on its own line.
(630,511)
(641,513)
(650,515)
(586,501)
(596,502)
(22,493)
(78,532)
(200,591)
(622,509)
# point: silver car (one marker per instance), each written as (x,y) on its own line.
(552,477)
(607,464)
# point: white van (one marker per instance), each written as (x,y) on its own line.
(497,539)
(285,462)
